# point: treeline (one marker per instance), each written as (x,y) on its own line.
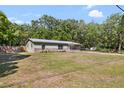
(106,36)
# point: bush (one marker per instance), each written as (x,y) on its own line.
(103,49)
(22,49)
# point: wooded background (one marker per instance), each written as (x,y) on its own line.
(108,36)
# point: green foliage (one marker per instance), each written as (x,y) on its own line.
(4,22)
(121,34)
(4,25)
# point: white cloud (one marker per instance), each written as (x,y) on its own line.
(95,13)
(18,22)
(12,18)
(15,20)
(31,14)
(90,6)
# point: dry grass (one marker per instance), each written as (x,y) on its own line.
(79,69)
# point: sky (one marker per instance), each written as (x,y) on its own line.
(88,13)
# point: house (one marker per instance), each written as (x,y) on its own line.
(37,45)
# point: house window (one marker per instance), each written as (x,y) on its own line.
(43,47)
(60,47)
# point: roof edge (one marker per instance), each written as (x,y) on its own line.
(53,41)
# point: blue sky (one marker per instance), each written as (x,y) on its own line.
(24,14)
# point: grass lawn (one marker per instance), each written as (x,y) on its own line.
(62,69)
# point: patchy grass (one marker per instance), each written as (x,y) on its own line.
(77,69)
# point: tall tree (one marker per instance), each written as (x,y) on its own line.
(109,33)
(4,25)
(121,34)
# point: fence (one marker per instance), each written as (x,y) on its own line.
(12,49)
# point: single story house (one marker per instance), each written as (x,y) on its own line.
(38,45)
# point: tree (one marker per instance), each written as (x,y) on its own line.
(4,25)
(121,34)
(4,22)
(91,35)
(48,22)
(109,36)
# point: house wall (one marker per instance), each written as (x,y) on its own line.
(50,47)
(30,46)
(37,47)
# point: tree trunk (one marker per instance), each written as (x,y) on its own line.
(120,44)
(119,48)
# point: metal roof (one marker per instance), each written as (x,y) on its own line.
(52,41)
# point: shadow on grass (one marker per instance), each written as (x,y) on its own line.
(8,63)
